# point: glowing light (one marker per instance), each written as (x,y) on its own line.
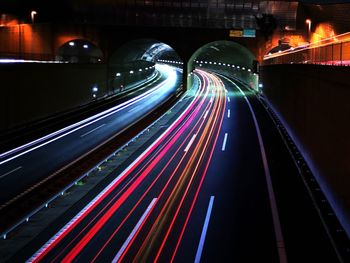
(94,89)
(131,72)
(72,44)
(32,15)
(85,46)
(118,74)
(308,22)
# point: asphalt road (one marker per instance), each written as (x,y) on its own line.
(215,186)
(23,168)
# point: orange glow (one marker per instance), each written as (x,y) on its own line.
(296,40)
(8,20)
(322,31)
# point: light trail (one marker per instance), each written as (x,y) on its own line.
(196,158)
(112,186)
(190,129)
(38,143)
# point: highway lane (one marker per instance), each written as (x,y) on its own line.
(200,193)
(21,169)
(147,198)
(241,226)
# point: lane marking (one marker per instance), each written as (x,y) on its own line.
(204,231)
(275,216)
(10,172)
(206,114)
(92,130)
(228,99)
(190,143)
(94,119)
(224,142)
(47,246)
(133,232)
(228,113)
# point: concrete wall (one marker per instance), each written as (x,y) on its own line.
(315,102)
(32,91)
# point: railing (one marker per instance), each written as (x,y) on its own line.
(333,51)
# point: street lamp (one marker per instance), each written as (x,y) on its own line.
(308,22)
(32,14)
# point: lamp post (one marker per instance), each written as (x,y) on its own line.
(32,15)
(308,22)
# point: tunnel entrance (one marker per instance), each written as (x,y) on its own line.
(228,58)
(135,61)
(79,51)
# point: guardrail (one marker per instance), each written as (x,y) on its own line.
(334,51)
(60,193)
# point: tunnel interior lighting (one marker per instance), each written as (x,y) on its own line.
(94,89)
(118,74)
(72,44)
(261,85)
(131,72)
(140,69)
(85,46)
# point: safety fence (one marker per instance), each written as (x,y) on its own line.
(333,51)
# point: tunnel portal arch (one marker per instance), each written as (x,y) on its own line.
(144,49)
(135,61)
(227,57)
(79,51)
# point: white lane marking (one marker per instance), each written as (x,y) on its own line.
(94,119)
(116,180)
(275,217)
(204,231)
(10,172)
(190,143)
(92,130)
(228,99)
(224,142)
(228,113)
(206,114)
(133,232)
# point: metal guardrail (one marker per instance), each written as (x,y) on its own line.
(334,51)
(60,193)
